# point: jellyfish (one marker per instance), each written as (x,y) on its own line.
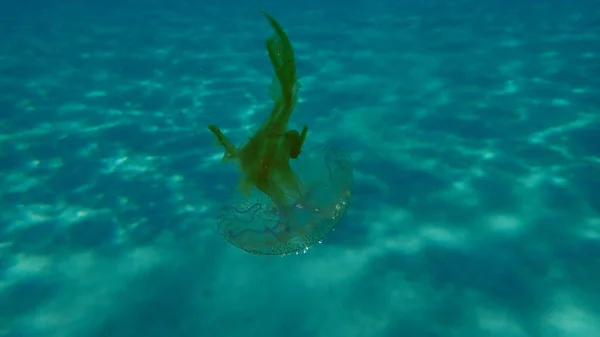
(289,198)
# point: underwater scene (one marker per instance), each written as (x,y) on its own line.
(300,169)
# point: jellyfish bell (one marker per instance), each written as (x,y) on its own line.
(255,224)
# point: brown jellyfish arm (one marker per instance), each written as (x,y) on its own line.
(264,159)
(231,152)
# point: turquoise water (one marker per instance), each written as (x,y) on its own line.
(474,129)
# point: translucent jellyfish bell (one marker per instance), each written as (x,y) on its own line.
(255,224)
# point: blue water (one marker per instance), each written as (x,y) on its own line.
(474,129)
